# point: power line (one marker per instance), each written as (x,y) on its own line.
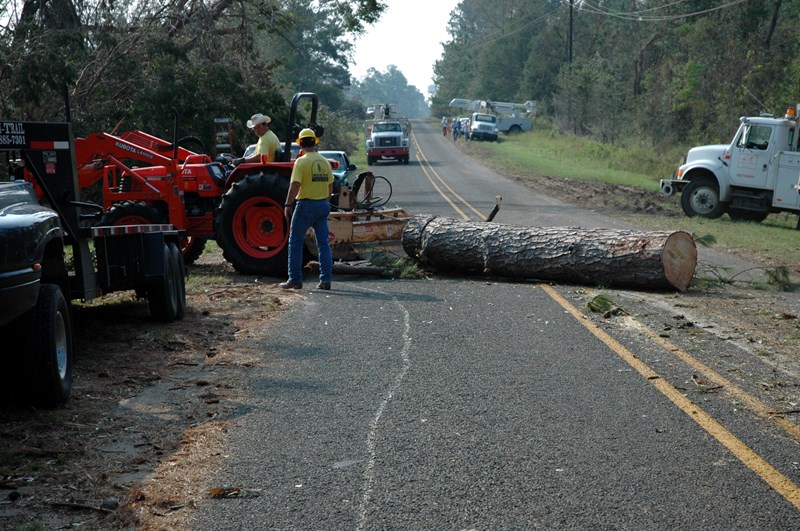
(642,16)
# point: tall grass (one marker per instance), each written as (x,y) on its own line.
(552,154)
(772,242)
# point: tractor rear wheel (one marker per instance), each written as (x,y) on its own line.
(251,227)
(136,213)
(192,247)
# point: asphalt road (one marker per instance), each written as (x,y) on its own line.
(471,403)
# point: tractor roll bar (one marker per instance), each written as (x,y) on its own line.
(293,129)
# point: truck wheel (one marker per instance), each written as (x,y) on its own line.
(178,262)
(700,197)
(251,227)
(49,348)
(514,130)
(131,213)
(163,297)
(747,215)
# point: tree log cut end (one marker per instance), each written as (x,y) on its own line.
(679,259)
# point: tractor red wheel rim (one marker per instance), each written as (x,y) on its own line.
(187,243)
(260,228)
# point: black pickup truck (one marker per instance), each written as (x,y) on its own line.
(37,334)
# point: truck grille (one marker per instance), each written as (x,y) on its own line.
(389,142)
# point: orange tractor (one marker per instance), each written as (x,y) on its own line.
(145,179)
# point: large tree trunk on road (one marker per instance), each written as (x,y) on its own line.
(601,257)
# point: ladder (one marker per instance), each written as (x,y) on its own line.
(223,133)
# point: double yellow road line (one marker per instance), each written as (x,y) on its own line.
(747,456)
(439,184)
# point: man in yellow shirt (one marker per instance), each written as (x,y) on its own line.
(308,206)
(268,143)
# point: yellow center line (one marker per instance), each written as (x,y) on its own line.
(751,402)
(427,167)
(772,476)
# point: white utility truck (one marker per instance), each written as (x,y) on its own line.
(756,174)
(491,117)
(386,135)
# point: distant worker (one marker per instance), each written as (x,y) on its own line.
(444,125)
(456,129)
(268,143)
(308,206)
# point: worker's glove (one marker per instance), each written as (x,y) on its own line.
(236,162)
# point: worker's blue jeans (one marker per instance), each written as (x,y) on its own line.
(310,214)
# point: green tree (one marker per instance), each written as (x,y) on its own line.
(205,59)
(390,87)
(646,71)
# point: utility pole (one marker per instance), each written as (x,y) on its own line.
(571,3)
(569,65)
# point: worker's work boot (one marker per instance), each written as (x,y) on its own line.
(324,285)
(290,285)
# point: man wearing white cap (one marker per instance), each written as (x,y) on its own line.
(268,143)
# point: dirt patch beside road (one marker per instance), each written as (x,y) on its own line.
(146,423)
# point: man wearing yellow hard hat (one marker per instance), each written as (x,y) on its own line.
(308,206)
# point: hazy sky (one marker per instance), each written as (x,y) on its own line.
(410,36)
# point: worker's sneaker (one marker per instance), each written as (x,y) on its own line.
(290,285)
(324,285)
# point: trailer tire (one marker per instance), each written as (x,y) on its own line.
(49,349)
(180,268)
(700,197)
(251,227)
(163,297)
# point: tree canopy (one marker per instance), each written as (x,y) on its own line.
(659,71)
(391,87)
(134,64)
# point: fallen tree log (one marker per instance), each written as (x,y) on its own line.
(600,257)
